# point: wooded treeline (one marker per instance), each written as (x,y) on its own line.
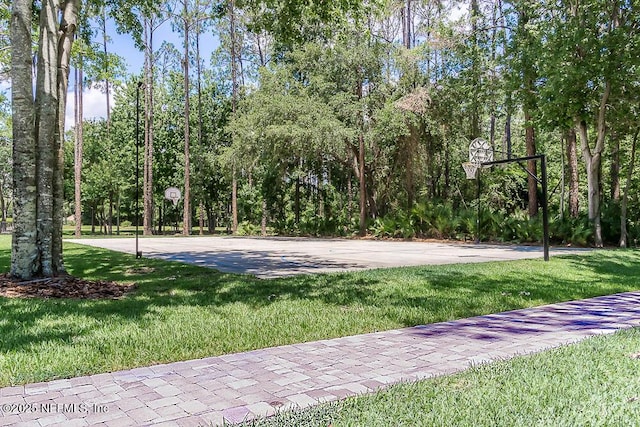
(353,117)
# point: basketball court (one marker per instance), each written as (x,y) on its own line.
(271,257)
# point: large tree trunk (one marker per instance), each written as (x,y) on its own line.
(24,250)
(38,125)
(46,129)
(593,161)
(624,235)
(572,162)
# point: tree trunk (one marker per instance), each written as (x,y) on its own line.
(46,129)
(406,23)
(506,142)
(147,220)
(263,223)
(93,218)
(363,188)
(234,201)
(211,227)
(118,214)
(411,149)
(572,162)
(201,216)
(593,161)
(186,219)
(615,169)
(161,213)
(624,235)
(349,199)
(234,99)
(3,210)
(38,125)
(66,34)
(296,200)
(78,151)
(530,143)
(107,83)
(475,71)
(110,219)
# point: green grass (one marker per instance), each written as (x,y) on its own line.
(593,383)
(182,312)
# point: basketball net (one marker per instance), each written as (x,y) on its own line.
(471,169)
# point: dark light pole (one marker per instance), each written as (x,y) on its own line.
(138,252)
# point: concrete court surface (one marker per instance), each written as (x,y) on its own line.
(271,257)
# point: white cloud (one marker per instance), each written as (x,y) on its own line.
(94,104)
(457,11)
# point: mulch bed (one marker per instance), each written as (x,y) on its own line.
(63,287)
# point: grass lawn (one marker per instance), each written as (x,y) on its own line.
(593,383)
(182,312)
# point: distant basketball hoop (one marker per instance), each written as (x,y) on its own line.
(173,194)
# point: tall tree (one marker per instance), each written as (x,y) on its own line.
(187,22)
(526,47)
(78,145)
(38,128)
(590,56)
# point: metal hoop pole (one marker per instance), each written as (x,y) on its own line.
(478,203)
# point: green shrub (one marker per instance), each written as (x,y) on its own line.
(246,228)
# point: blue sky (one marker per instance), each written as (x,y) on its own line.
(94,101)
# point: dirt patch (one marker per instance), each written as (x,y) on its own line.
(62,287)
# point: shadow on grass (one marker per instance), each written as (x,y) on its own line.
(407,296)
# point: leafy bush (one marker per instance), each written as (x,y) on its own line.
(245,228)
(576,231)
(442,221)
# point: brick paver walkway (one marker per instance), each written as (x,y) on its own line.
(236,386)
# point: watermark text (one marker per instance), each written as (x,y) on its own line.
(53,408)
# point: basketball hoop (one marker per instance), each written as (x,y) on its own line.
(480,151)
(471,169)
(172,194)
